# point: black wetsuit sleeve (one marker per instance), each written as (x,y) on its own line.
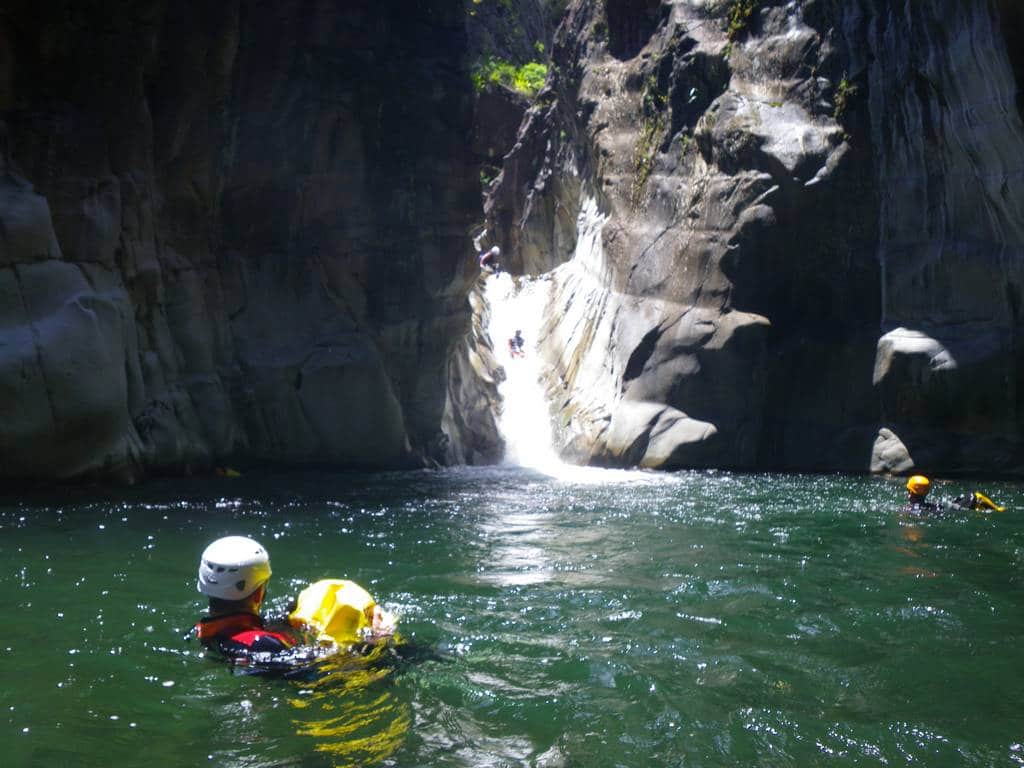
(264,643)
(268,644)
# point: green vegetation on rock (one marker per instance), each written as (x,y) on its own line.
(654,102)
(654,98)
(740,12)
(644,155)
(527,79)
(845,91)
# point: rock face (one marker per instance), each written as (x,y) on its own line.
(780,235)
(473,402)
(231,230)
(772,239)
(947,138)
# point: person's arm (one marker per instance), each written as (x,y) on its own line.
(271,642)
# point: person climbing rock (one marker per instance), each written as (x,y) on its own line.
(515,345)
(233,574)
(489,260)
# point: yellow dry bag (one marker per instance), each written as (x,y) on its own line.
(336,609)
(981,501)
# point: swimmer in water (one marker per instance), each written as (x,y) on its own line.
(233,574)
(329,615)
(918,487)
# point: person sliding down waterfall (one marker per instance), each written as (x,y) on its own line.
(489,260)
(515,345)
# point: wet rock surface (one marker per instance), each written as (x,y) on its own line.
(774,237)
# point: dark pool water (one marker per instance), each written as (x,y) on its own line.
(692,619)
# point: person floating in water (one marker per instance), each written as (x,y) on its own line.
(489,260)
(515,345)
(233,574)
(332,613)
(918,487)
(340,613)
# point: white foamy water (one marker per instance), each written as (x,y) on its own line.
(525,421)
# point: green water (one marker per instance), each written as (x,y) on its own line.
(695,619)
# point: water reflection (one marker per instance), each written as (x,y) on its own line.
(914,546)
(564,531)
(518,554)
(350,710)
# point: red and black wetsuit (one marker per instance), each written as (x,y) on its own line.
(240,634)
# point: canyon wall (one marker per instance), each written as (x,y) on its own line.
(782,235)
(779,235)
(231,231)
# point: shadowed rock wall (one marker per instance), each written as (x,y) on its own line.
(792,243)
(941,93)
(228,230)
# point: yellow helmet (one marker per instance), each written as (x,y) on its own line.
(918,485)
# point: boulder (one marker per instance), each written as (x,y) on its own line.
(889,454)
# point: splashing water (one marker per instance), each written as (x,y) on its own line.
(521,304)
(525,421)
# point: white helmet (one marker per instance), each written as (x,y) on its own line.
(496,251)
(233,568)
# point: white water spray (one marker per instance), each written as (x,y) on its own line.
(522,304)
(525,422)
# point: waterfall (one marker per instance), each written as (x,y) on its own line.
(524,303)
(525,423)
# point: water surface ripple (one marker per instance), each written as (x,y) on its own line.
(697,619)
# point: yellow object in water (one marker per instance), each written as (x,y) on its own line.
(918,485)
(338,610)
(981,500)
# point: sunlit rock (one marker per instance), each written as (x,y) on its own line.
(889,454)
(809,228)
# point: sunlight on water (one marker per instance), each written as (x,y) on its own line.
(698,618)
